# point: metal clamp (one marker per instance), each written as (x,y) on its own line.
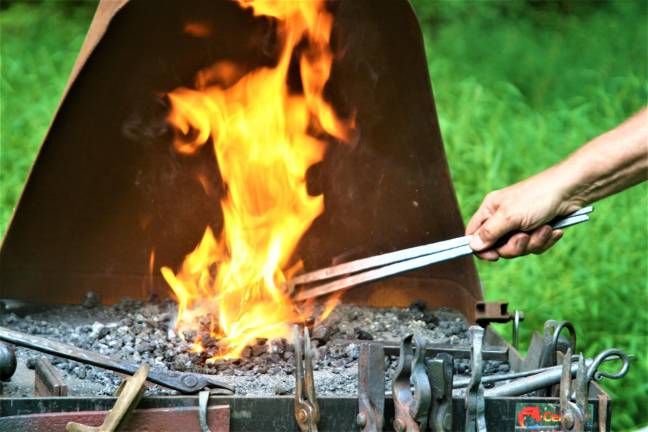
(371,387)
(411,409)
(475,404)
(440,372)
(306,407)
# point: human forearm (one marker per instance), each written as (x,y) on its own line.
(608,164)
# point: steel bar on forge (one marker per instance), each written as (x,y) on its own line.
(498,353)
(552,375)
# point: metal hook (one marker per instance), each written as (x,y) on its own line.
(558,330)
(596,375)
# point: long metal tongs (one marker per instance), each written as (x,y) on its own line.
(184,382)
(356,272)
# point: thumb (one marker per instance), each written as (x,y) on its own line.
(492,230)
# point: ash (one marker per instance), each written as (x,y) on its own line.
(143,332)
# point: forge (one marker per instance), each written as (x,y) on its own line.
(204,155)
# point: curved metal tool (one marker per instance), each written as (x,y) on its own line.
(130,392)
(306,407)
(411,408)
(475,404)
(184,382)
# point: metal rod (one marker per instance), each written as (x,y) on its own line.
(431,350)
(534,382)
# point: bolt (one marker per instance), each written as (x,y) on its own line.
(399,426)
(361,420)
(189,380)
(447,421)
(568,420)
(302,415)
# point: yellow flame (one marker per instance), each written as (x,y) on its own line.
(263,140)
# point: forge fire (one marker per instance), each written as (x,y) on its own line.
(265,136)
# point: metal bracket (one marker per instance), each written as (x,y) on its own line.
(371,387)
(491,312)
(475,404)
(440,372)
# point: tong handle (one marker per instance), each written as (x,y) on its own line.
(559,222)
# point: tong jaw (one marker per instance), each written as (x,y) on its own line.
(306,408)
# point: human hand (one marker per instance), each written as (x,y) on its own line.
(525,206)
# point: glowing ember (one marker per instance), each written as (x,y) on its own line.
(264,141)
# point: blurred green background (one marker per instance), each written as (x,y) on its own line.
(518,86)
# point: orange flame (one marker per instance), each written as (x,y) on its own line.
(264,141)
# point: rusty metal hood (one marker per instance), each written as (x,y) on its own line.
(107,189)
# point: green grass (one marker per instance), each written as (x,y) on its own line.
(38,45)
(517,89)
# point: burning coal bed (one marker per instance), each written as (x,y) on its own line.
(137,332)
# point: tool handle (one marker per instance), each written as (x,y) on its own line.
(559,222)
